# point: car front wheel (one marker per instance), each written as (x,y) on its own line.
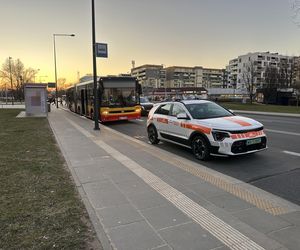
(200,148)
(152,135)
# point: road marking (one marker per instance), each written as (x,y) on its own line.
(282,132)
(228,235)
(140,120)
(291,153)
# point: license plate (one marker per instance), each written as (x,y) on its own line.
(123,118)
(253,141)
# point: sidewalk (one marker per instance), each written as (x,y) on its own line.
(139,197)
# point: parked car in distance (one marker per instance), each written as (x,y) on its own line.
(146,105)
(206,128)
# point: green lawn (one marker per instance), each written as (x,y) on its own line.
(39,205)
(261,107)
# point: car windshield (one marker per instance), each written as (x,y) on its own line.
(207,110)
(144,99)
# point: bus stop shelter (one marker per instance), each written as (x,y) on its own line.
(36,99)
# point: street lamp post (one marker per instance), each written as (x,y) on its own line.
(11,82)
(96,101)
(54,35)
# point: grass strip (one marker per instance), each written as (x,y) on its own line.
(39,205)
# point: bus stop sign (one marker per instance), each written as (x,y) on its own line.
(101,50)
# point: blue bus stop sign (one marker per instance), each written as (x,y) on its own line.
(101,50)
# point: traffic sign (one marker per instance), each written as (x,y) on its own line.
(101,50)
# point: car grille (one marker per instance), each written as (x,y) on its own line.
(245,131)
(241,147)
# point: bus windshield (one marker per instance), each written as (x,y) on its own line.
(119,97)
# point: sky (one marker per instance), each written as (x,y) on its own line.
(204,33)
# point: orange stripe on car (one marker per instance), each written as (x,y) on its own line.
(250,134)
(240,122)
(162,120)
(199,128)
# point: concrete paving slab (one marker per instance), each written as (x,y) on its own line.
(229,202)
(104,194)
(289,237)
(135,236)
(261,220)
(119,215)
(165,216)
(89,173)
(147,200)
(124,177)
(206,189)
(165,247)
(189,236)
(134,187)
(185,178)
(293,218)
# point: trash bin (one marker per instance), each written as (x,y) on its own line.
(49,106)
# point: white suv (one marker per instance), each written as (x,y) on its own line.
(206,128)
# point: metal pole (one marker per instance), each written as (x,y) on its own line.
(96,101)
(55,71)
(11,82)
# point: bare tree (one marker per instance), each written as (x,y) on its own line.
(272,77)
(19,74)
(248,75)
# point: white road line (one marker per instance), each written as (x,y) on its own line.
(291,153)
(282,132)
(231,237)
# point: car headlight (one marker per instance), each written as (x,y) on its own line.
(105,112)
(138,110)
(219,135)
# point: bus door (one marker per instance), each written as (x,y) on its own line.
(83,101)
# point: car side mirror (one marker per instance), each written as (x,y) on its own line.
(182,116)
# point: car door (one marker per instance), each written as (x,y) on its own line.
(161,118)
(175,125)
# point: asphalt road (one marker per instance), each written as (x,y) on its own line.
(276,170)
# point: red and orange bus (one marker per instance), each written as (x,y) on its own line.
(118,98)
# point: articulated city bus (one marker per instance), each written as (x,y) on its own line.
(118,98)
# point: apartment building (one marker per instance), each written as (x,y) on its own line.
(180,77)
(213,78)
(260,61)
(150,76)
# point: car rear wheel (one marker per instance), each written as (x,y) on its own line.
(152,135)
(200,148)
